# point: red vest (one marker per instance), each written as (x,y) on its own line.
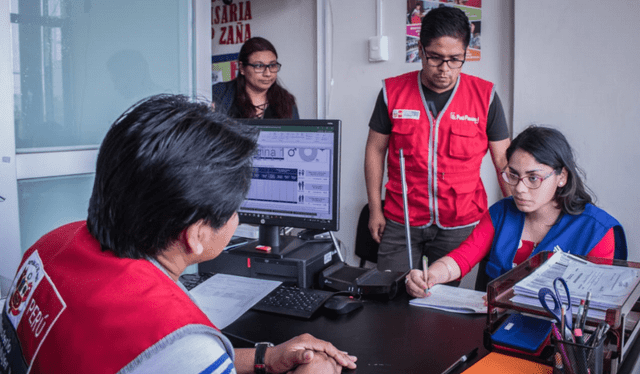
(442,155)
(76,309)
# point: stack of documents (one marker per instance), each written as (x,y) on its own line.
(610,286)
(453,299)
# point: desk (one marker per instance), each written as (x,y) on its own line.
(386,336)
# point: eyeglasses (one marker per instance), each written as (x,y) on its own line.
(436,62)
(530,181)
(259,68)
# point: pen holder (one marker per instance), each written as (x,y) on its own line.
(579,358)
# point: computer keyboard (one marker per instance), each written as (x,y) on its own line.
(293,301)
(191,280)
(284,300)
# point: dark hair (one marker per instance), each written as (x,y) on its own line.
(445,21)
(548,146)
(164,165)
(280,100)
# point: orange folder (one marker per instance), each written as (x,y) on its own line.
(497,363)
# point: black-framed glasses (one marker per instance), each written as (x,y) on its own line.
(259,68)
(531,181)
(436,62)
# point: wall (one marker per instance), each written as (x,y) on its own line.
(576,69)
(356,83)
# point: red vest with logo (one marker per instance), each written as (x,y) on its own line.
(442,155)
(77,309)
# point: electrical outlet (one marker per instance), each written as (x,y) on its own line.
(378,48)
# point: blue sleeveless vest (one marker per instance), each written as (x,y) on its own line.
(573,234)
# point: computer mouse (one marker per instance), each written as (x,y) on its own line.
(340,304)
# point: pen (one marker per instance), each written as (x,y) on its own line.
(583,321)
(576,324)
(425,265)
(562,323)
(461,360)
(583,365)
(561,347)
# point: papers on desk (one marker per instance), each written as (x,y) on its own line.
(609,285)
(452,299)
(224,298)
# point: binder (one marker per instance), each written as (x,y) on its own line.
(523,333)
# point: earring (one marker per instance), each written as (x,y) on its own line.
(199,248)
(560,184)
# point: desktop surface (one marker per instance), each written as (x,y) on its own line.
(386,336)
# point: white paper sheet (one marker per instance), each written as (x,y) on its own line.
(452,299)
(224,298)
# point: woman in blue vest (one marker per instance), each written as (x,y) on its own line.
(255,92)
(550,209)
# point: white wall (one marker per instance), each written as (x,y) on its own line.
(357,83)
(576,68)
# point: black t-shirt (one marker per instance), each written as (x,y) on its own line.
(496,122)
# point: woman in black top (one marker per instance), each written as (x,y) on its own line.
(255,92)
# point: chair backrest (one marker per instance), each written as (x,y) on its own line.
(482,279)
(620,252)
(366,247)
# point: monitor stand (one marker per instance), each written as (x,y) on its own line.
(280,245)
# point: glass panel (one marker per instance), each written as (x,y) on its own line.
(80,64)
(47,203)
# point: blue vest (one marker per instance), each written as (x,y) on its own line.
(573,234)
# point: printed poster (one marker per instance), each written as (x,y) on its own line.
(417,9)
(230,28)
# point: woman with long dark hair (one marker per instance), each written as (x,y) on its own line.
(255,92)
(550,209)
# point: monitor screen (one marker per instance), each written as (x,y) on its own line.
(295,180)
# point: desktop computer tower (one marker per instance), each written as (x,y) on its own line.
(299,264)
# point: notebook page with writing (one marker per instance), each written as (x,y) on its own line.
(452,299)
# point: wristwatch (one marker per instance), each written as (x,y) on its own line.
(259,367)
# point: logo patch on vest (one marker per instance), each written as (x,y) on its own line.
(405,114)
(464,117)
(33,305)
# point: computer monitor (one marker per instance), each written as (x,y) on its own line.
(296,178)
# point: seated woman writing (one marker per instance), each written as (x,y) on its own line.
(255,92)
(550,209)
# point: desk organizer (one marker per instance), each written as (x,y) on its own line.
(616,345)
(578,358)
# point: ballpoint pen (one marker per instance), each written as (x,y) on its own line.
(583,320)
(425,265)
(576,324)
(461,360)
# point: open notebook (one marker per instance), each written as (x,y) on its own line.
(452,299)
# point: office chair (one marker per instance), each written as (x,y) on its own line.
(366,247)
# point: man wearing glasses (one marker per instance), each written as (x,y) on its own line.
(444,121)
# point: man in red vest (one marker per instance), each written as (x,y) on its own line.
(444,122)
(103,296)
